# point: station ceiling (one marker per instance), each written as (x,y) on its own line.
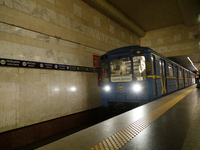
(155,14)
(150,15)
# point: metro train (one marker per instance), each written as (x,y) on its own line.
(134,75)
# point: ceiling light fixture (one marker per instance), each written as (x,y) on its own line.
(192,63)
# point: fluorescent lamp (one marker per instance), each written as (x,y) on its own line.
(192,63)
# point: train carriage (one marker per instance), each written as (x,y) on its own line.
(137,75)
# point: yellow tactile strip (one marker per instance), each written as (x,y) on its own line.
(119,139)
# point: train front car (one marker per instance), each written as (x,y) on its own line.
(124,79)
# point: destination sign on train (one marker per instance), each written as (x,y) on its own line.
(121,79)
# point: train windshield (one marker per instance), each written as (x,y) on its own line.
(120,70)
(104,71)
(139,68)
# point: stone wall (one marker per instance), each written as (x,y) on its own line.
(53,31)
(173,41)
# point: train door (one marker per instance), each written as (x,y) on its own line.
(183,78)
(154,73)
(180,79)
(163,76)
(186,78)
(189,78)
(176,75)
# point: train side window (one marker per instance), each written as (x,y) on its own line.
(170,67)
(180,73)
(162,67)
(186,75)
(139,68)
(176,71)
(153,64)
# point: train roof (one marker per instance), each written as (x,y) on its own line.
(137,47)
(127,48)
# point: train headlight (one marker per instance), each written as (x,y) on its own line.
(106,88)
(137,87)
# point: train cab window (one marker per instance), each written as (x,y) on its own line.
(139,68)
(104,71)
(162,67)
(170,67)
(153,64)
(120,70)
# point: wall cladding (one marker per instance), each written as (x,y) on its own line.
(28,45)
(71,22)
(52,31)
(173,41)
(30,96)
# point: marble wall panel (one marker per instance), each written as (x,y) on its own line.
(31,8)
(122,35)
(24,52)
(24,6)
(37,95)
(77,10)
(30,96)
(49,39)
(160,40)
(7,119)
(8,97)
(97,21)
(177,47)
(177,37)
(51,1)
(8,3)
(112,29)
(174,40)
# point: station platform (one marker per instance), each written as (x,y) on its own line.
(169,123)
